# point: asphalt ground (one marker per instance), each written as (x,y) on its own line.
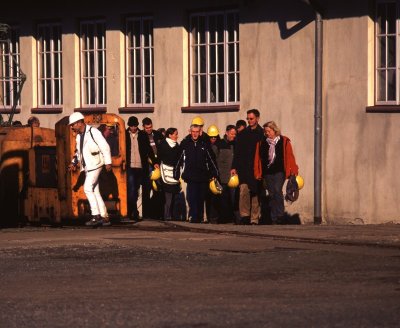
(177,274)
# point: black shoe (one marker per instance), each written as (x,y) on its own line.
(95,221)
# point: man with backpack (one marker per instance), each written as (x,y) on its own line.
(92,153)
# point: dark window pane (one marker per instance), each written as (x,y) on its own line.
(212,25)
(381,60)
(381,84)
(203,59)
(221,88)
(213,56)
(213,88)
(391,85)
(138,89)
(203,88)
(391,51)
(220,28)
(381,18)
(221,58)
(391,18)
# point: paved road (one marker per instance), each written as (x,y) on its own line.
(153,274)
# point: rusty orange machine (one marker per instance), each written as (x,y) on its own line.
(28,176)
(113,185)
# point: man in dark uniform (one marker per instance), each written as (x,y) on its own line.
(243,165)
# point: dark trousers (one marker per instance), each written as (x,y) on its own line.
(196,194)
(274,184)
(146,203)
(226,205)
(168,205)
(134,181)
(212,204)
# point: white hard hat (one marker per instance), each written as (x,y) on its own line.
(75,117)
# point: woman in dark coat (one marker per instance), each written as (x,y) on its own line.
(168,153)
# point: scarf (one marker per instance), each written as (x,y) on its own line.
(171,142)
(271,152)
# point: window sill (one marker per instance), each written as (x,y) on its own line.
(47,110)
(8,111)
(91,110)
(138,109)
(210,109)
(383,109)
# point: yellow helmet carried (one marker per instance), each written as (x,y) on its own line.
(198,121)
(155,174)
(154,185)
(233,181)
(215,187)
(212,131)
(300,182)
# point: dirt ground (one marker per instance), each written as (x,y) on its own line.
(156,275)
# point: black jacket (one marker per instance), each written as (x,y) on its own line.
(197,159)
(168,155)
(243,159)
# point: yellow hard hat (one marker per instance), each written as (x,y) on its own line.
(212,131)
(300,182)
(155,174)
(233,181)
(198,121)
(154,185)
(215,187)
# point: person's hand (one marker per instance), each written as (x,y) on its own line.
(233,172)
(108,167)
(71,167)
(156,166)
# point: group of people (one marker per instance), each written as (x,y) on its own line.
(259,158)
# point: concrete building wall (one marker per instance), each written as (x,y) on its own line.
(277,77)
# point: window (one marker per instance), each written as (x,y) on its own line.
(387,57)
(214,58)
(11,77)
(93,63)
(140,61)
(49,65)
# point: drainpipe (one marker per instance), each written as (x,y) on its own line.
(317,113)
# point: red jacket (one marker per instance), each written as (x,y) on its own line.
(289,160)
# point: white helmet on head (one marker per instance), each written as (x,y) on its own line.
(75,117)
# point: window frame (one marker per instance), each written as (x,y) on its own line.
(377,69)
(99,81)
(15,77)
(195,100)
(131,78)
(54,76)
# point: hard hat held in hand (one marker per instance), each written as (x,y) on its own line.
(154,185)
(198,121)
(300,182)
(215,187)
(233,181)
(155,174)
(212,131)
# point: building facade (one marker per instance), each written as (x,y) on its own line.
(176,60)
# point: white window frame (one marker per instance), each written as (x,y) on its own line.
(10,74)
(216,79)
(49,59)
(139,61)
(385,69)
(93,63)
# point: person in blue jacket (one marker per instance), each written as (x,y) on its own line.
(199,168)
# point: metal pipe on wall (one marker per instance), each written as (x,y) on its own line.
(318,119)
(317,111)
